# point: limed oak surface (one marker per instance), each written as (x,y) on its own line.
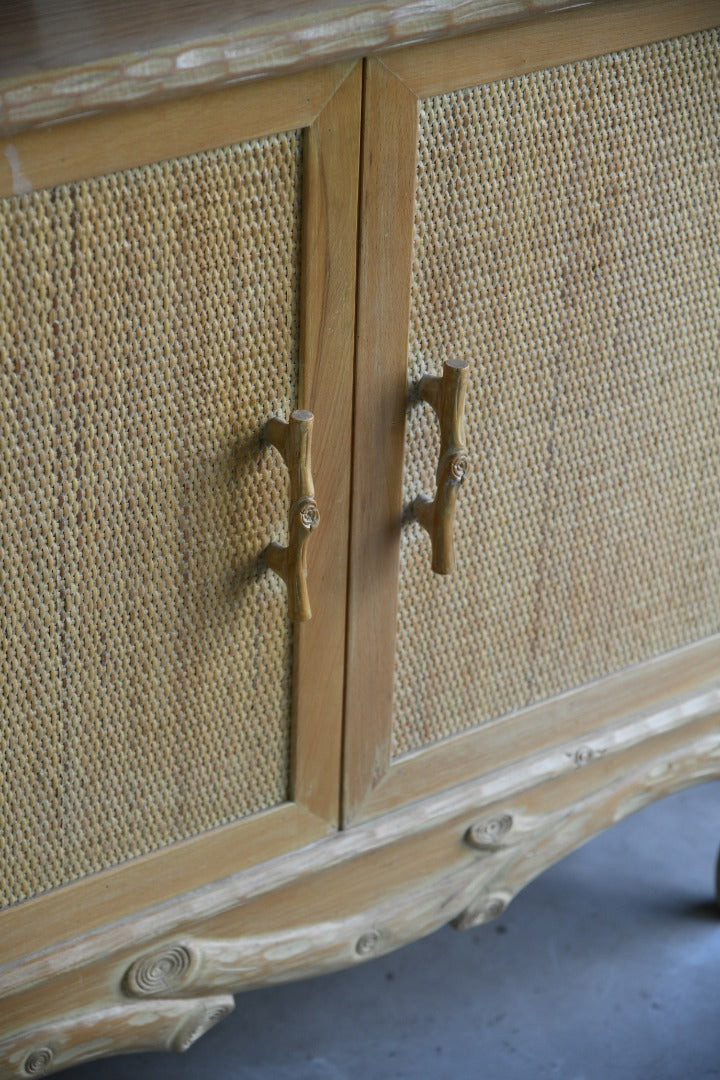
(67,58)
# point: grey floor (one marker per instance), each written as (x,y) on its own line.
(605,968)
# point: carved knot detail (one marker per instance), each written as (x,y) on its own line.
(494,907)
(367,943)
(459,467)
(309,514)
(488,834)
(161,972)
(214,1016)
(584,756)
(38,1061)
(199,1025)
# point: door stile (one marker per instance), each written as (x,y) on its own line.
(384,271)
(330,195)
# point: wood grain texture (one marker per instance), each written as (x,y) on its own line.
(153,879)
(374,784)
(528,841)
(126,1028)
(475,818)
(95,146)
(327,327)
(293,439)
(668,714)
(327,321)
(388,188)
(531,844)
(562,38)
(642,690)
(64,59)
(446,395)
(359,894)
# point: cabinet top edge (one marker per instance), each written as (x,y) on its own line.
(62,59)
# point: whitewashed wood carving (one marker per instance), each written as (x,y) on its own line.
(119,1029)
(489,839)
(502,853)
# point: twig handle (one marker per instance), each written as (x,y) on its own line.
(292,440)
(446,395)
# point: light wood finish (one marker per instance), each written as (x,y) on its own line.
(328,103)
(493,54)
(153,879)
(327,327)
(360,893)
(673,722)
(128,1028)
(670,681)
(389,149)
(446,395)
(394,84)
(95,146)
(64,58)
(292,439)
(281,895)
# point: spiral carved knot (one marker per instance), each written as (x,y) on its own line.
(367,943)
(458,468)
(494,907)
(584,756)
(214,1016)
(489,834)
(161,972)
(38,1061)
(309,514)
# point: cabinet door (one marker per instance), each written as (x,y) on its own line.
(542,202)
(170,280)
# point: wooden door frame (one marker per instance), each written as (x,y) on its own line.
(326,104)
(394,83)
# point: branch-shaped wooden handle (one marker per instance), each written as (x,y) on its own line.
(446,395)
(292,440)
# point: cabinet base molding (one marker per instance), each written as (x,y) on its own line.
(160,980)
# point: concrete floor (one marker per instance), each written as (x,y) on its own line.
(605,968)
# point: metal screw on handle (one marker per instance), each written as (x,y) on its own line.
(292,440)
(446,395)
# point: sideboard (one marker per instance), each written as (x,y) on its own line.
(360,509)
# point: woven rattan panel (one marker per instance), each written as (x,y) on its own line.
(148,328)
(566,245)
